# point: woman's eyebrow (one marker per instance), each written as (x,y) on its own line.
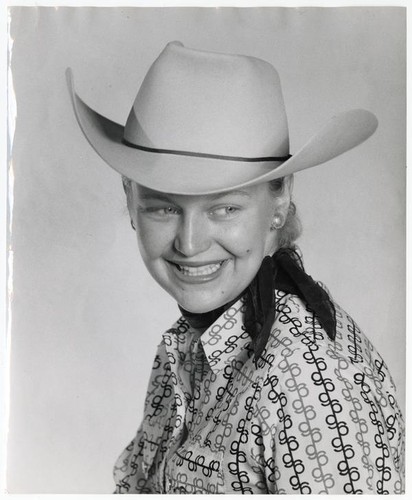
(167,199)
(155,196)
(231,193)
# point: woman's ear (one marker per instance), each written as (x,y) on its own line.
(282,203)
(129,189)
(289,179)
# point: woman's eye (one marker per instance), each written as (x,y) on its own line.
(168,210)
(225,212)
(160,212)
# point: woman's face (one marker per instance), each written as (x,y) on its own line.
(205,250)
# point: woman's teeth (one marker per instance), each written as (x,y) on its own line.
(200,270)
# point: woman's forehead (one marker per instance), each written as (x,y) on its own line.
(145,193)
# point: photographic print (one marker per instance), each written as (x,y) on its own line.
(207,231)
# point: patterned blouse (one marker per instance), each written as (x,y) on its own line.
(315,416)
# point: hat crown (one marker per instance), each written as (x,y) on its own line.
(210,103)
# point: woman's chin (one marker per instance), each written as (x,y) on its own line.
(196,308)
(199,305)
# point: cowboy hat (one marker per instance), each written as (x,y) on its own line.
(205,122)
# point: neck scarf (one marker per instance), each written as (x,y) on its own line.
(282,271)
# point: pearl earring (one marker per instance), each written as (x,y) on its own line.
(277,222)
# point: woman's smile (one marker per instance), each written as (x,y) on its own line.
(198,272)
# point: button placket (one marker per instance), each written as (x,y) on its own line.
(176,342)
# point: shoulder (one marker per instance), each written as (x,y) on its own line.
(299,344)
(333,399)
(296,325)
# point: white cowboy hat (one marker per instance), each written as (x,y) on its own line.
(204,122)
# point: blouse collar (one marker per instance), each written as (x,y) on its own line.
(226,341)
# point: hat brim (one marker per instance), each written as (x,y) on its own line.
(193,175)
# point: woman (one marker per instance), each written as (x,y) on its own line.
(264,385)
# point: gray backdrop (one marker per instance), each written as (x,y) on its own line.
(86,316)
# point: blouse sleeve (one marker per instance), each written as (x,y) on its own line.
(131,470)
(332,423)
(128,471)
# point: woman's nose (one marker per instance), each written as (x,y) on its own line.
(193,236)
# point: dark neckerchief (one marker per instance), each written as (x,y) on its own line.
(283,271)
(202,321)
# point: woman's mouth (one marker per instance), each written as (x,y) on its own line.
(198,272)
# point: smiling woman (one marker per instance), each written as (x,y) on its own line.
(264,384)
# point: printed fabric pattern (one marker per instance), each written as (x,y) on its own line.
(315,416)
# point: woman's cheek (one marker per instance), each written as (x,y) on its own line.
(242,239)
(151,237)
(147,243)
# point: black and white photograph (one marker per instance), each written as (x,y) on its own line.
(206,250)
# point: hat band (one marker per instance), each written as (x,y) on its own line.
(205,155)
